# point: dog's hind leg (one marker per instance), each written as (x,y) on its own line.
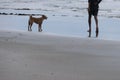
(30,26)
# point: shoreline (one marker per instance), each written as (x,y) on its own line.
(56,35)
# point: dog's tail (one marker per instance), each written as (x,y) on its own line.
(29,19)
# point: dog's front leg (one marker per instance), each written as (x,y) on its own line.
(29,28)
(39,28)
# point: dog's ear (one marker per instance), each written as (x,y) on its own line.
(44,16)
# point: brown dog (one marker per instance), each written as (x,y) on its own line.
(37,21)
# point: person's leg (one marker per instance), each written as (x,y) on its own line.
(89,22)
(97,29)
(96,21)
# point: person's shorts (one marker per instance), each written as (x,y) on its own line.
(93,12)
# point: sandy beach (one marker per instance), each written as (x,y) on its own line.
(41,56)
(63,50)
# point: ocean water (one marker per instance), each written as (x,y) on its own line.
(108,8)
(65,17)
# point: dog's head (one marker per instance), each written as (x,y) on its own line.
(45,17)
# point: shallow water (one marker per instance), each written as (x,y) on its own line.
(65,26)
(108,8)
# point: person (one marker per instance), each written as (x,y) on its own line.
(93,6)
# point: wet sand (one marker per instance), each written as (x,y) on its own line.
(42,56)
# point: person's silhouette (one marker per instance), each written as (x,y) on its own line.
(93,7)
